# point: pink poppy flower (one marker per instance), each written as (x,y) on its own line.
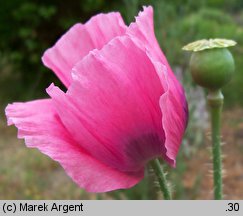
(123,105)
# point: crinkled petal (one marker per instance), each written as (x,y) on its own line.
(40,126)
(175,112)
(79,40)
(112,106)
(143,31)
(173,102)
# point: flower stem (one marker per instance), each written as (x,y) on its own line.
(158,170)
(215,101)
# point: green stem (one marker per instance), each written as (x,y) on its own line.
(215,101)
(158,170)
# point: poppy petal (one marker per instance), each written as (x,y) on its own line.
(112,106)
(79,40)
(40,126)
(173,102)
(175,112)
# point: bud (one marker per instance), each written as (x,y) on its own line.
(212,64)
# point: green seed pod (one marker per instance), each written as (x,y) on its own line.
(212,64)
